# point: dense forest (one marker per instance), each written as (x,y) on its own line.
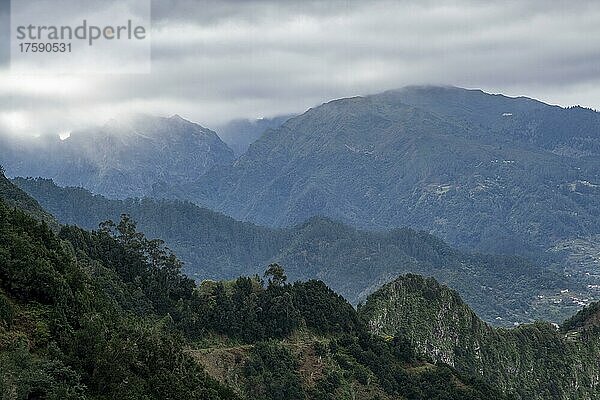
(351,261)
(532,361)
(108,314)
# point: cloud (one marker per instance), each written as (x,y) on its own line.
(213,61)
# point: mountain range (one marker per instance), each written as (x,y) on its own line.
(504,290)
(108,314)
(123,158)
(484,172)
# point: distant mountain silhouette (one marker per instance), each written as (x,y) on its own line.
(239,134)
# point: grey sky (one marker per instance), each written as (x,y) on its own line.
(4,32)
(218,60)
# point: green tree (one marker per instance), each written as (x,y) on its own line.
(276,275)
(271,373)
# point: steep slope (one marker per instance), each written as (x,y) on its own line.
(504,290)
(73,328)
(584,321)
(123,158)
(107,314)
(537,361)
(484,172)
(213,245)
(15,197)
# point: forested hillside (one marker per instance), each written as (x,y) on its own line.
(535,361)
(108,315)
(484,172)
(72,327)
(16,197)
(503,290)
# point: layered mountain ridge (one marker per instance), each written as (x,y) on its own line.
(108,314)
(484,172)
(114,308)
(504,290)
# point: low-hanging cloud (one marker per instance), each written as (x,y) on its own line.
(213,61)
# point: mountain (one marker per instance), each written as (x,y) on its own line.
(536,361)
(572,132)
(123,158)
(504,290)
(239,134)
(108,315)
(485,172)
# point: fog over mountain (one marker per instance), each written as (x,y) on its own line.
(300,200)
(486,173)
(214,61)
(123,158)
(239,134)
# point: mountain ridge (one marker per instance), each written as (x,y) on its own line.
(485,172)
(82,312)
(354,262)
(108,314)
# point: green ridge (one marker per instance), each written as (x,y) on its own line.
(532,361)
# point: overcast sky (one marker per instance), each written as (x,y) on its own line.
(213,61)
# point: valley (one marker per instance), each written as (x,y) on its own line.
(504,290)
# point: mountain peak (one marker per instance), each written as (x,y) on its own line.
(406,302)
(177,117)
(128,155)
